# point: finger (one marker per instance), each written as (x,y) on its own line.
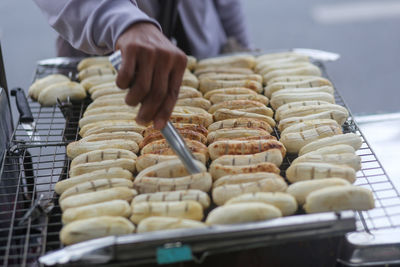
(127,69)
(159,87)
(166,108)
(143,77)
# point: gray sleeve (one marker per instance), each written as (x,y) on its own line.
(92,26)
(233,20)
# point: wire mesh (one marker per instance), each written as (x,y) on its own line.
(33,167)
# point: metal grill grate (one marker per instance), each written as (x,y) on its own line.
(32,168)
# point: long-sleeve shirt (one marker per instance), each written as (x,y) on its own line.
(93,26)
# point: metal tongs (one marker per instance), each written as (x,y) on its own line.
(169,132)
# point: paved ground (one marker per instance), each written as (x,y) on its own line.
(364,32)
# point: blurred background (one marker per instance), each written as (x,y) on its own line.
(364,32)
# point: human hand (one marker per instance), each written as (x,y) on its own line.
(152,68)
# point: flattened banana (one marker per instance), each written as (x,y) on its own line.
(286,203)
(351,139)
(293,142)
(300,190)
(91,228)
(316,170)
(178,209)
(242,213)
(337,198)
(157,223)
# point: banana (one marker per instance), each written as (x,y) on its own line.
(106,92)
(337,198)
(106,117)
(264,68)
(191,62)
(198,102)
(63,185)
(84,199)
(177,209)
(232,77)
(218,170)
(292,78)
(102,86)
(316,170)
(286,203)
(210,70)
(284,98)
(86,229)
(101,155)
(280,56)
(148,160)
(100,69)
(238,132)
(323,89)
(96,185)
(293,142)
(121,95)
(222,194)
(110,126)
(307,82)
(156,146)
(230,91)
(339,116)
(169,169)
(90,61)
(40,84)
(207,85)
(334,149)
(241,61)
(189,134)
(242,213)
(111,109)
(237,147)
(271,155)
(218,98)
(122,140)
(235,104)
(308,110)
(96,80)
(309,71)
(224,114)
(124,163)
(240,122)
(61,91)
(188,92)
(349,159)
(106,102)
(236,179)
(189,79)
(200,181)
(180,195)
(110,208)
(157,223)
(309,125)
(179,126)
(351,139)
(300,190)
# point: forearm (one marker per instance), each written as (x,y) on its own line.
(233,20)
(92,26)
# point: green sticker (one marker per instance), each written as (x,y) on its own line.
(173,254)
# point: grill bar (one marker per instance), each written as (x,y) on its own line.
(56,127)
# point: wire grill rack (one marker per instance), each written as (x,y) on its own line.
(31,169)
